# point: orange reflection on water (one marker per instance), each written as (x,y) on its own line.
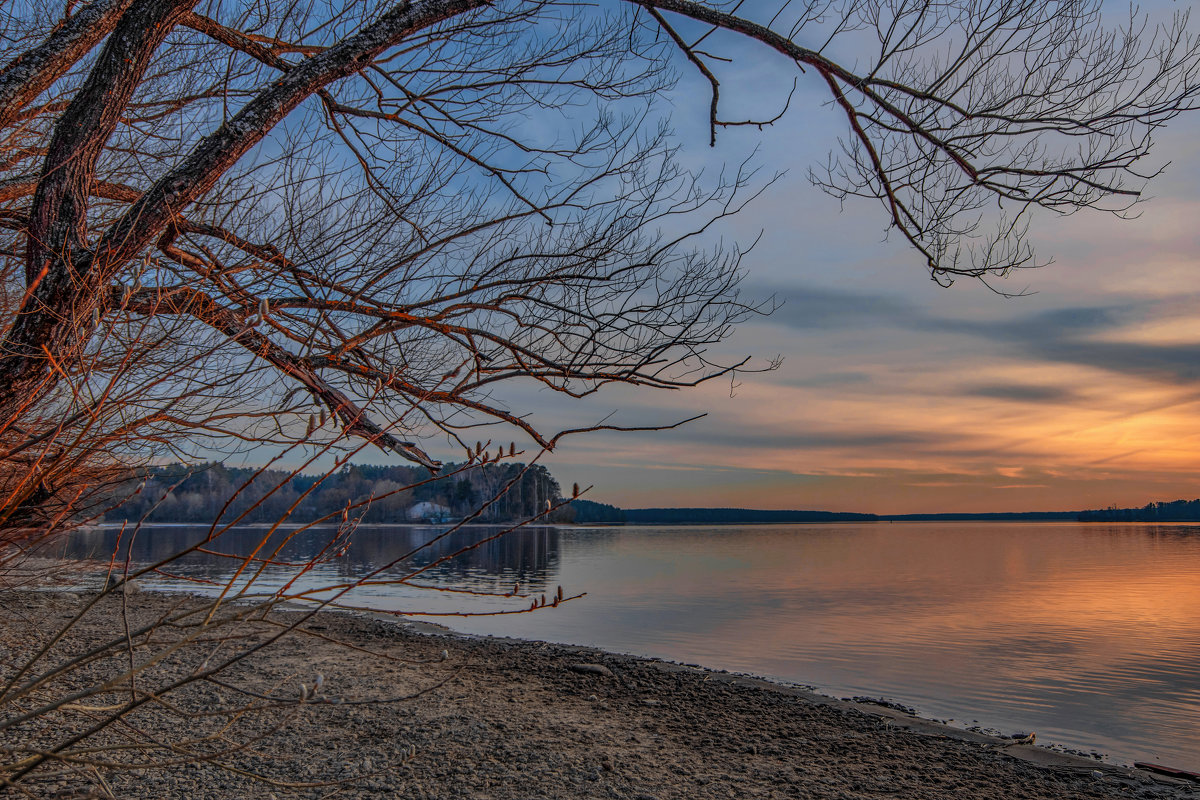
(1087,634)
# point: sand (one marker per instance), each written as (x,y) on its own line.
(490,718)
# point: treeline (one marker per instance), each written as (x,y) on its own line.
(208,492)
(211,492)
(995,516)
(1174,511)
(588,512)
(734,516)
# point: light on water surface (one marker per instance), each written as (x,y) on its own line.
(1087,634)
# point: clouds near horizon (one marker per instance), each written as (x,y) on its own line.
(936,400)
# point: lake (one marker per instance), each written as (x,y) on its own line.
(1088,634)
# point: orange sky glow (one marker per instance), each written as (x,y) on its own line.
(899,396)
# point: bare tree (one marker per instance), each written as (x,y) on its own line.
(392,250)
(279,223)
(224,218)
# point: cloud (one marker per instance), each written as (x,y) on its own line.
(1176,364)
(818,308)
(767,438)
(1088,335)
(828,379)
(1021,393)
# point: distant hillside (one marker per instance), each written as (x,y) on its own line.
(750,516)
(1175,511)
(997,516)
(588,512)
(202,493)
(380,494)
(734,516)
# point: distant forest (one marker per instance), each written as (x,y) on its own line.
(1175,511)
(202,494)
(587,512)
(734,516)
(178,493)
(998,516)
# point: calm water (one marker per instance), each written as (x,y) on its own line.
(1087,634)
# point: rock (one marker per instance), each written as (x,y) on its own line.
(114,583)
(592,669)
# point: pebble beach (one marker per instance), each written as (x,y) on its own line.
(356,706)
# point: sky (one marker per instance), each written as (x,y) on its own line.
(896,395)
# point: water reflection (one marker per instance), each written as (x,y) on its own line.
(1088,634)
(480,561)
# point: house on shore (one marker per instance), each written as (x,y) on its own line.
(428,511)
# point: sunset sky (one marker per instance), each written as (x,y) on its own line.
(897,395)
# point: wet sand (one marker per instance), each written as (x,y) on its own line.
(490,718)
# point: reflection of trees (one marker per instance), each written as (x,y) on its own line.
(1146,531)
(592,542)
(142,546)
(529,555)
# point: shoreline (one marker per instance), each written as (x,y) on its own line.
(514,719)
(1017,746)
